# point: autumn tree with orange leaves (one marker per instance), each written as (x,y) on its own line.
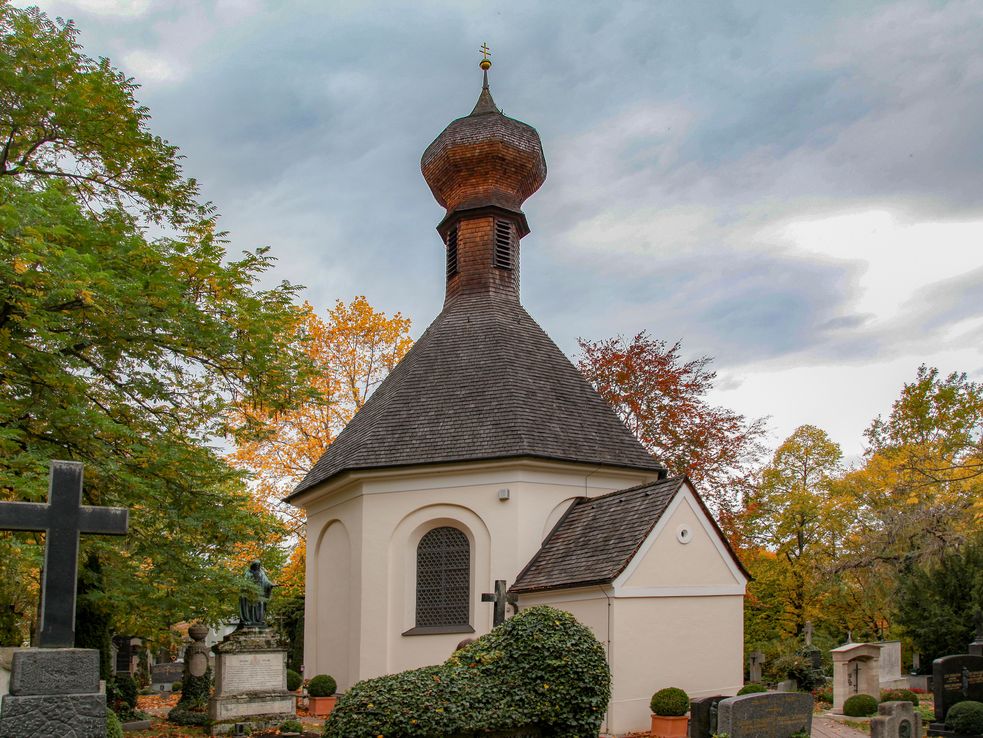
(353,349)
(662,400)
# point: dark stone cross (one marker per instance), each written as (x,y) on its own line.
(63,518)
(501,598)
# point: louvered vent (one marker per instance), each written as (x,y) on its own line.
(451,252)
(443,578)
(503,244)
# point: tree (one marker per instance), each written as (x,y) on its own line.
(662,400)
(352,352)
(938,604)
(795,514)
(120,351)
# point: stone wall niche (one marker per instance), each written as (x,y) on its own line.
(856,670)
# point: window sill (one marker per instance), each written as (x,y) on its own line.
(422,630)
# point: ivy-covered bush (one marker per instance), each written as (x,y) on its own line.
(294,680)
(965,718)
(121,697)
(899,695)
(860,705)
(540,669)
(670,702)
(752,688)
(322,685)
(189,713)
(192,708)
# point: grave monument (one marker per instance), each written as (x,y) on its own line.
(954,679)
(251,666)
(755,661)
(856,670)
(765,715)
(896,720)
(54,688)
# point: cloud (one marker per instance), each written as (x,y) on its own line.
(146,65)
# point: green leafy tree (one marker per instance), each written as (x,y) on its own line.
(123,351)
(939,604)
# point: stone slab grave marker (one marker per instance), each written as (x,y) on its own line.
(890,675)
(755,661)
(501,597)
(896,720)
(54,689)
(765,715)
(703,716)
(955,679)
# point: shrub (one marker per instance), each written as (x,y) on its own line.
(176,687)
(189,713)
(899,695)
(539,669)
(125,689)
(752,688)
(670,702)
(860,705)
(823,694)
(114,728)
(966,717)
(291,726)
(322,686)
(294,680)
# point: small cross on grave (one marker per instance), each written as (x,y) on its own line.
(501,598)
(63,518)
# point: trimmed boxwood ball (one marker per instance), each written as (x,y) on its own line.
(539,669)
(294,680)
(860,705)
(753,688)
(899,695)
(670,702)
(322,686)
(965,718)
(176,686)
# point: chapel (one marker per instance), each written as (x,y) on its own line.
(485,456)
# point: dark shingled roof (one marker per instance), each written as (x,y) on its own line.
(597,537)
(483,382)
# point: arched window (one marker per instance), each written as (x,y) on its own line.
(443,579)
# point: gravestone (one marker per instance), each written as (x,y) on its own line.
(896,720)
(250,667)
(501,598)
(755,661)
(703,716)
(955,679)
(765,715)
(856,670)
(162,676)
(54,689)
(890,675)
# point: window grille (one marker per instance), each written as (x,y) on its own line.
(503,244)
(451,252)
(443,578)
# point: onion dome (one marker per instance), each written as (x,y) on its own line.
(484,159)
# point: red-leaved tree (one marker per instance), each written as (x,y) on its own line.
(662,400)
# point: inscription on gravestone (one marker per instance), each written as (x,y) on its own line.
(765,715)
(955,679)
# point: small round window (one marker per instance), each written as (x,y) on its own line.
(684,534)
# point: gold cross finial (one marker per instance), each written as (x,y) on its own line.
(485,62)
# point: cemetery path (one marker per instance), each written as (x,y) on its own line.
(824,727)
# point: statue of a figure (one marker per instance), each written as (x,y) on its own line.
(255,594)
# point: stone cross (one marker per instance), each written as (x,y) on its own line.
(63,518)
(757,660)
(808,630)
(501,598)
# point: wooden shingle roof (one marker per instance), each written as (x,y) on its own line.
(597,537)
(483,382)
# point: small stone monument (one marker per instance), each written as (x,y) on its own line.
(251,666)
(755,661)
(703,716)
(896,720)
(54,689)
(856,670)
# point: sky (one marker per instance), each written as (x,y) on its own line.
(795,189)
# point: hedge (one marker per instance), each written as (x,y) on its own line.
(539,670)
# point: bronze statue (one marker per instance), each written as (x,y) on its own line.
(256,592)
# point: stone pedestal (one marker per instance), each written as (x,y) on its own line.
(856,670)
(54,692)
(250,682)
(896,720)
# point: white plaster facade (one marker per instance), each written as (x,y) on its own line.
(673,618)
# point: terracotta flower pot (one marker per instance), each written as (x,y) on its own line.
(669,727)
(321,706)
